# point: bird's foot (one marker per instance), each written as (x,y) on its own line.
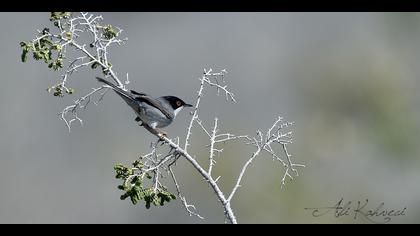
(161,133)
(156,131)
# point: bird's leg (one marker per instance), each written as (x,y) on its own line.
(139,120)
(156,131)
(162,132)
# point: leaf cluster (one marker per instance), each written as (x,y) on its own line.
(58,90)
(43,49)
(109,32)
(55,16)
(134,186)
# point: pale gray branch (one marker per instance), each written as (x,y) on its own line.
(155,162)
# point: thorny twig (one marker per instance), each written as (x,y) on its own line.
(154,162)
(68,37)
(262,143)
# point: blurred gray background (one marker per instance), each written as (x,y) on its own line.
(348,80)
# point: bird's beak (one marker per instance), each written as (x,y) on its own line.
(188,105)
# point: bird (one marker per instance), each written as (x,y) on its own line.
(156,113)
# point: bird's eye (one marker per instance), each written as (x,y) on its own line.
(178,103)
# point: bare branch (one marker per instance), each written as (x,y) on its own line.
(262,143)
(73,109)
(144,180)
(226,205)
(212,149)
(67,37)
(194,114)
(209,75)
(188,207)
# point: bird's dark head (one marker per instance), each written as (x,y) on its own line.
(176,102)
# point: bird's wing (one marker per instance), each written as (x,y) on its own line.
(152,102)
(142,97)
(137,93)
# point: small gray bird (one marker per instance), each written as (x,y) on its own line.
(155,113)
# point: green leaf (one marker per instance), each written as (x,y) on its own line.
(122,171)
(109,32)
(26,47)
(47,55)
(56,47)
(45,43)
(135,179)
(135,195)
(59,62)
(37,55)
(70,91)
(68,35)
(138,164)
(24,55)
(124,196)
(59,15)
(148,176)
(94,65)
(45,31)
(105,70)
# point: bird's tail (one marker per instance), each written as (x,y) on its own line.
(124,94)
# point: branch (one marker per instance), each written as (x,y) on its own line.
(188,207)
(69,27)
(262,143)
(212,148)
(144,180)
(226,205)
(207,78)
(82,102)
